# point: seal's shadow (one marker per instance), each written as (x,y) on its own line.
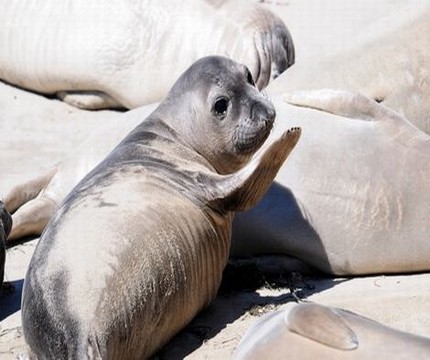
(243,278)
(10,299)
(230,305)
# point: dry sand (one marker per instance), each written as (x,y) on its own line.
(38,132)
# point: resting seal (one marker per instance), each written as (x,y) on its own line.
(342,205)
(5,226)
(312,331)
(137,249)
(128,53)
(402,83)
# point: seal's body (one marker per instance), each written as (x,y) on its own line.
(128,53)
(342,205)
(137,249)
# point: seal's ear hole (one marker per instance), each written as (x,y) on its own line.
(220,107)
(249,77)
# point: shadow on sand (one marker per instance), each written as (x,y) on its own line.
(10,300)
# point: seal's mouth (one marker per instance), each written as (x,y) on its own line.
(250,136)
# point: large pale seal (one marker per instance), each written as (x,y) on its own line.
(312,331)
(381,68)
(129,53)
(354,199)
(138,247)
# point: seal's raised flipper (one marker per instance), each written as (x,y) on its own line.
(321,324)
(243,189)
(89,100)
(23,193)
(340,102)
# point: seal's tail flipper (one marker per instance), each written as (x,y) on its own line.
(30,212)
(23,193)
(245,188)
(340,102)
(31,218)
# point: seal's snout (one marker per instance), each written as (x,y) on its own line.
(263,113)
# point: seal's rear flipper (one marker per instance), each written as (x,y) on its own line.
(23,193)
(321,324)
(89,100)
(245,188)
(31,218)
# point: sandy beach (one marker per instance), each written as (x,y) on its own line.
(37,132)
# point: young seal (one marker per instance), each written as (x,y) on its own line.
(311,331)
(137,249)
(97,55)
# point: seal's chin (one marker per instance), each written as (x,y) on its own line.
(248,139)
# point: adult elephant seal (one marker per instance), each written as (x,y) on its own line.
(128,53)
(5,226)
(311,331)
(402,83)
(137,249)
(354,199)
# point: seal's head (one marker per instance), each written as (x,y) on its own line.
(218,111)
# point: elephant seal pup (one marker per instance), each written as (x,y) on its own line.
(5,226)
(311,331)
(97,55)
(137,249)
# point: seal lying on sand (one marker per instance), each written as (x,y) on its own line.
(5,226)
(341,205)
(128,53)
(354,200)
(312,331)
(137,249)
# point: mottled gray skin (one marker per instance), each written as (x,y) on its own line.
(5,227)
(137,249)
(119,53)
(354,199)
(310,331)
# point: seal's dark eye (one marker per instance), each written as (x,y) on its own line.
(220,107)
(249,77)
